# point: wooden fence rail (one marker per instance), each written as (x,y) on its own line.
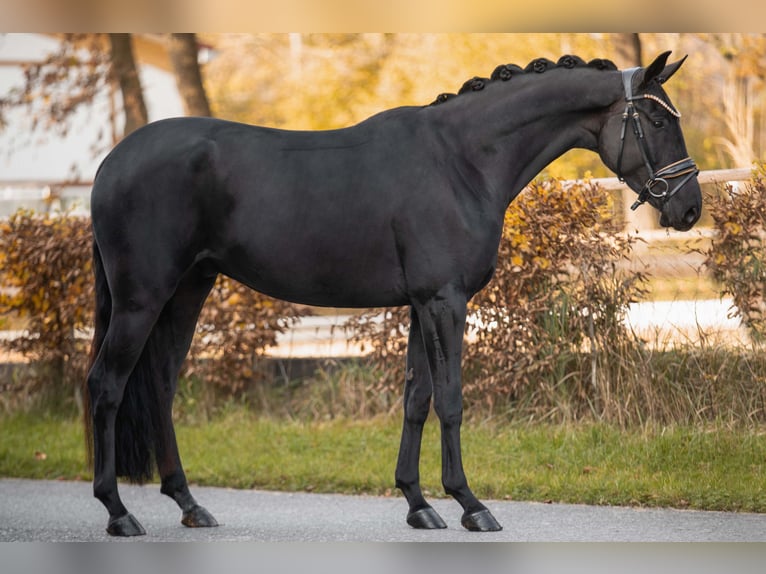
(53,195)
(709,176)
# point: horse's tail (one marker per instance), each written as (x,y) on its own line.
(139,411)
(103,311)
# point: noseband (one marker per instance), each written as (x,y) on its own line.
(684,167)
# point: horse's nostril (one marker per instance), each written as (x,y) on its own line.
(691,216)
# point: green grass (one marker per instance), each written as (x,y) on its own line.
(712,468)
(42,446)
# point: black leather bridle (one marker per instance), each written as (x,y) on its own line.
(684,168)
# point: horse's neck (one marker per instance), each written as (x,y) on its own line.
(513,137)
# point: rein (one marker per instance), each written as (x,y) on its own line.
(684,167)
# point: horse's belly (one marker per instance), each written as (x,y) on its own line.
(319,274)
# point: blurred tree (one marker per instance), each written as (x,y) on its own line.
(745,52)
(183,50)
(743,104)
(124,72)
(627,48)
(86,65)
(55,87)
(297,81)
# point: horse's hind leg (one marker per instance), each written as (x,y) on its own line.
(417,401)
(120,351)
(173,335)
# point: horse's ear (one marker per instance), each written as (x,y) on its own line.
(669,70)
(654,71)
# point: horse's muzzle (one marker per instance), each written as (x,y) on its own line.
(683,223)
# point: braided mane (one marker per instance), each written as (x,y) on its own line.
(505,72)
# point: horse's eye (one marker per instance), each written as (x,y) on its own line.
(658,123)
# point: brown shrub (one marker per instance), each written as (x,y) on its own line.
(737,254)
(46,280)
(235,327)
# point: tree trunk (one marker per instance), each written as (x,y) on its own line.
(183,56)
(126,74)
(628,49)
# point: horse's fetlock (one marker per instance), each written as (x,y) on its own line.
(104,404)
(103,491)
(174,484)
(455,489)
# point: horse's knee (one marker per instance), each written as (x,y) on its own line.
(104,402)
(416,412)
(449,409)
(105,395)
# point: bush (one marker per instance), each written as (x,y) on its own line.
(737,254)
(47,281)
(558,298)
(235,327)
(540,331)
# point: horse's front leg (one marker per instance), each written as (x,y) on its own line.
(417,402)
(442,322)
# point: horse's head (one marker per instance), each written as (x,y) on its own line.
(642,142)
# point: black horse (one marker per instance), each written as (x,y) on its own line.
(405,208)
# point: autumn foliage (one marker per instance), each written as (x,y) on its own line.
(47,286)
(47,282)
(737,255)
(558,297)
(235,327)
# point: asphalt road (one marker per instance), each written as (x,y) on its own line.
(56,511)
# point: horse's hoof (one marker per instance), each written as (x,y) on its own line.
(125,525)
(480,521)
(198,517)
(426,518)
